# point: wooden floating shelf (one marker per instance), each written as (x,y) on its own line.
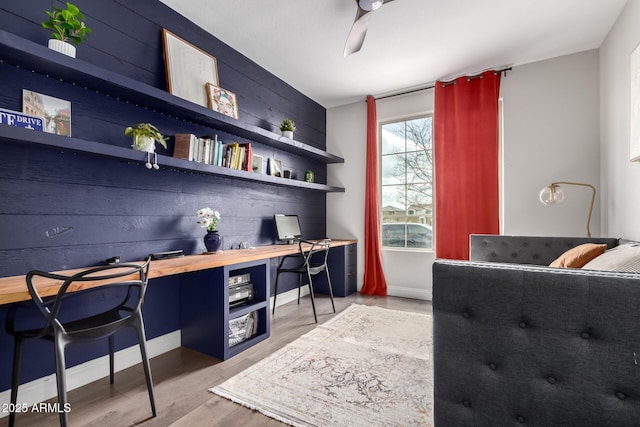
(16,135)
(32,56)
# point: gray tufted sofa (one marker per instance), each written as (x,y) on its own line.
(517,343)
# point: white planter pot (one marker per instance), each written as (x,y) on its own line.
(62,47)
(287,134)
(145,143)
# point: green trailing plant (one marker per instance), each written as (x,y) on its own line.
(287,124)
(67,24)
(145,129)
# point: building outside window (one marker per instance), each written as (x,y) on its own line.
(407,183)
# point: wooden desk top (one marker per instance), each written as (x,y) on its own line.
(14,288)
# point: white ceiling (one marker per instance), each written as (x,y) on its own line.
(409,43)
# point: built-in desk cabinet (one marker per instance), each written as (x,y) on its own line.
(343,269)
(205,312)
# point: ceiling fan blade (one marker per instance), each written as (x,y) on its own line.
(357,33)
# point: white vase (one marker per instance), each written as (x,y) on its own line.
(287,134)
(62,47)
(145,143)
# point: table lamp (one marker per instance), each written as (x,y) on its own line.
(553,195)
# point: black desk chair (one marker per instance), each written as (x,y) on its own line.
(309,262)
(124,295)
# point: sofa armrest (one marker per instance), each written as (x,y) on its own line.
(526,249)
(535,345)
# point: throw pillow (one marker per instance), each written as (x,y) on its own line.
(621,258)
(579,256)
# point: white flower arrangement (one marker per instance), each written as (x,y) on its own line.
(208,218)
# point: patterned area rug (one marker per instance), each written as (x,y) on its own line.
(368,366)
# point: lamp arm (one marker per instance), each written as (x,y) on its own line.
(593,198)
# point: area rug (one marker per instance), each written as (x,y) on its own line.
(367,366)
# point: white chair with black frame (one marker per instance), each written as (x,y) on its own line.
(69,317)
(310,260)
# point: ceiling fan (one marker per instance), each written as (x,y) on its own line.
(359,28)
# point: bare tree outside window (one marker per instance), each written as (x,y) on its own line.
(407,183)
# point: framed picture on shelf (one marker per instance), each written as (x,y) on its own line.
(257,164)
(222,101)
(275,167)
(188,69)
(56,112)
(634,107)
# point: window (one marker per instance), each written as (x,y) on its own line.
(407,183)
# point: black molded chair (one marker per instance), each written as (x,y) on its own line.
(118,304)
(309,261)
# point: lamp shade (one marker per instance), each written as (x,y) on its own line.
(552,195)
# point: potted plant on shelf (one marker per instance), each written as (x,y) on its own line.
(145,136)
(68,27)
(287,127)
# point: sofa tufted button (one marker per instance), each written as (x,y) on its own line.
(551,380)
(520,419)
(492,366)
(465,314)
(585,335)
(514,255)
(620,395)
(536,256)
(522,325)
(494,255)
(466,403)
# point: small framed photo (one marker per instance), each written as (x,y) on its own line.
(275,167)
(287,173)
(56,112)
(222,101)
(257,164)
(188,69)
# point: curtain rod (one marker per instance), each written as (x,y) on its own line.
(432,85)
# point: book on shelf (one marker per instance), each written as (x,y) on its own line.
(238,156)
(184,146)
(240,278)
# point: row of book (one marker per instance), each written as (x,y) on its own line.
(211,151)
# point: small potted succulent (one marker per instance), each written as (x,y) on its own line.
(287,127)
(68,27)
(145,136)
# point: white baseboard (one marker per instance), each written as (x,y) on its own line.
(399,291)
(45,388)
(289,296)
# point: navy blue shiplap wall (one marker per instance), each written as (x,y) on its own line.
(64,210)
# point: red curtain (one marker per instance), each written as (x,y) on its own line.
(466,162)
(374,282)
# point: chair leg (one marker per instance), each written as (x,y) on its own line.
(61,379)
(326,270)
(15,377)
(142,340)
(313,304)
(299,286)
(111,362)
(275,294)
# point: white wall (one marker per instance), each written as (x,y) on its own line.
(620,177)
(408,274)
(551,133)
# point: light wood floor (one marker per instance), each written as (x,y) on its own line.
(182,377)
